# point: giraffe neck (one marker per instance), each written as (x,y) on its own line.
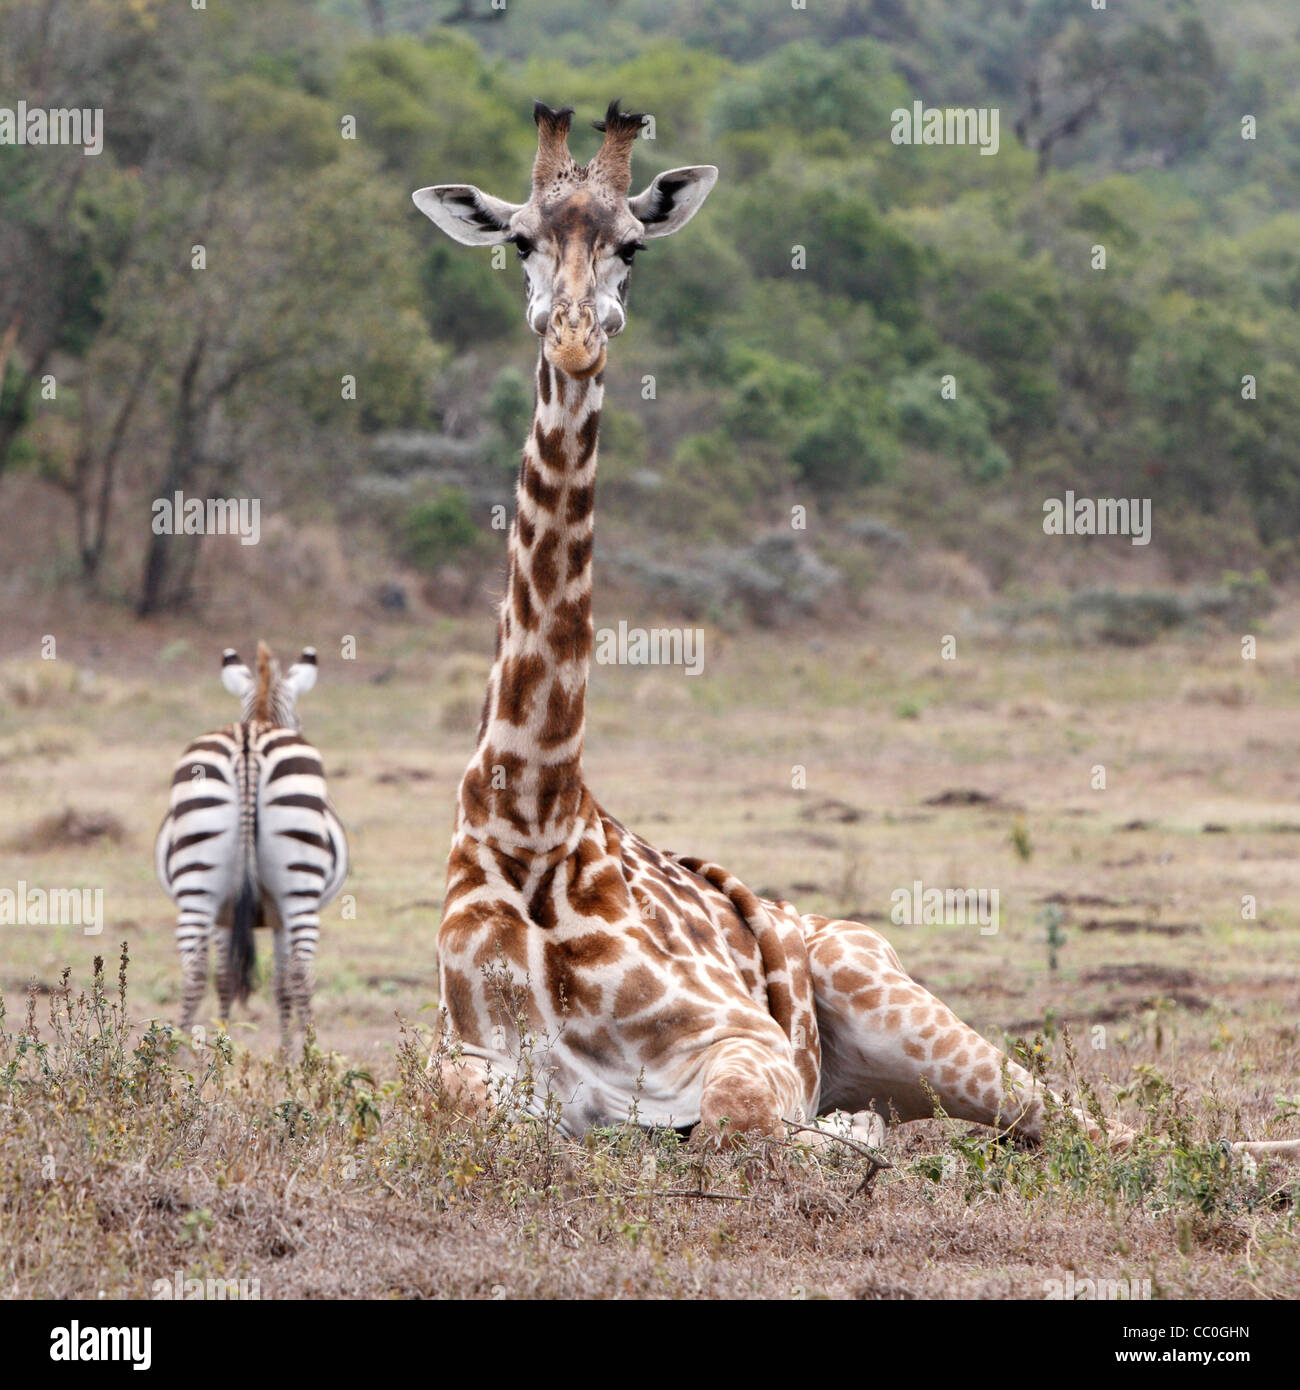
(523,788)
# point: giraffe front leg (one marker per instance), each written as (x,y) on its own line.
(890,1046)
(464,1086)
(748,1090)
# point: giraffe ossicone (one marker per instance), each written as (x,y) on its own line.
(641,984)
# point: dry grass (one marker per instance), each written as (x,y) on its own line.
(340,1176)
(128,1158)
(70,828)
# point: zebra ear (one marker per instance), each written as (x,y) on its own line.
(235,676)
(301,675)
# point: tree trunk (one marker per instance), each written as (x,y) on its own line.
(182,463)
(94,535)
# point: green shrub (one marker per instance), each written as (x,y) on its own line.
(958,428)
(437,531)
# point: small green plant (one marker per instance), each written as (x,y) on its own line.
(1019,838)
(1053,934)
(195,1225)
(1157,1018)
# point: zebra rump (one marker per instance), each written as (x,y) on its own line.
(250,839)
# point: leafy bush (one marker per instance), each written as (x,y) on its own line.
(510,404)
(437,531)
(958,427)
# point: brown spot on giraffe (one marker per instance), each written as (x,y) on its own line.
(579,504)
(458,997)
(545,562)
(541,493)
(518,685)
(573,989)
(563,708)
(521,599)
(570,630)
(579,554)
(639,990)
(945,1045)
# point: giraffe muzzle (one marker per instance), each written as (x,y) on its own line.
(575,340)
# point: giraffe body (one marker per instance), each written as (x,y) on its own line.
(642,985)
(632,984)
(641,977)
(629,984)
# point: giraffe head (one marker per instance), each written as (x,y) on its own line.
(269,696)
(578,232)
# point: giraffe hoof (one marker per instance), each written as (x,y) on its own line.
(868,1128)
(863,1127)
(1114,1136)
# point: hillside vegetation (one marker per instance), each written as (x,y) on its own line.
(201,293)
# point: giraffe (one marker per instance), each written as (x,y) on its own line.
(643,985)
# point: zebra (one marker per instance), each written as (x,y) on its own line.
(250,839)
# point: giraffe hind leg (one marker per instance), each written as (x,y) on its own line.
(864,1127)
(888,1045)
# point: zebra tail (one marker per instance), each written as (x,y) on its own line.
(243,950)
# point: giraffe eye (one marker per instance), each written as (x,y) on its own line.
(627,252)
(523,247)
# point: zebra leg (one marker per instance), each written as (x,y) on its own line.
(192,931)
(283,995)
(225,973)
(303,933)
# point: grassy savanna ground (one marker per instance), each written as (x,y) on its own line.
(341,1177)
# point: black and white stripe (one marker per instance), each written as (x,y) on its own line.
(251,840)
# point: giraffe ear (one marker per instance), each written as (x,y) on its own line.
(466,213)
(673,198)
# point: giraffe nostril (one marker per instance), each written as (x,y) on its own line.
(569,317)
